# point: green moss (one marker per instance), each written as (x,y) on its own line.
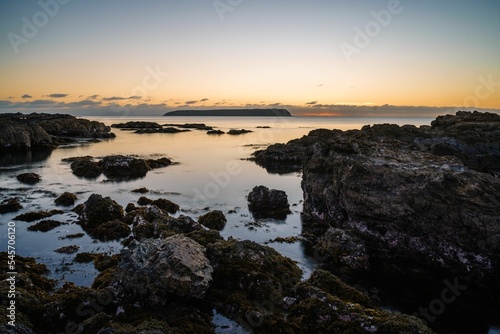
(204,237)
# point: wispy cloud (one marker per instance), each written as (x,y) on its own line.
(57,95)
(191,102)
(311,103)
(26,96)
(93,97)
(118,98)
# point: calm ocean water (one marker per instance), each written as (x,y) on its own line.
(211,174)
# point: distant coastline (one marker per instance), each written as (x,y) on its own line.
(232,112)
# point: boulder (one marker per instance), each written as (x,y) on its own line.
(98,210)
(124,167)
(215,132)
(66,199)
(166,205)
(236,132)
(142,190)
(143,200)
(265,203)
(214,220)
(136,125)
(10,205)
(45,225)
(111,230)
(86,167)
(36,215)
(155,270)
(159,163)
(29,178)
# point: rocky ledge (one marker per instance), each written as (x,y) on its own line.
(25,132)
(401,201)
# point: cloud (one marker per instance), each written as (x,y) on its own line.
(40,103)
(26,96)
(93,97)
(311,103)
(191,102)
(320,85)
(83,103)
(204,100)
(118,98)
(57,95)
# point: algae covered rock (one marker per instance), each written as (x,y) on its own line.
(154,270)
(10,205)
(66,199)
(214,220)
(268,203)
(29,178)
(98,210)
(124,167)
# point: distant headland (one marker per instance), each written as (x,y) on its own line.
(232,112)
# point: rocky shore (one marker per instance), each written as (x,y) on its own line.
(25,132)
(405,204)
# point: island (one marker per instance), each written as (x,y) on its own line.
(232,112)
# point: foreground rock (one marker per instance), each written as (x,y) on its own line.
(66,199)
(408,203)
(265,203)
(25,132)
(153,271)
(115,167)
(10,205)
(98,210)
(29,178)
(214,220)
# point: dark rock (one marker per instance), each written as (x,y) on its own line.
(29,178)
(238,132)
(205,237)
(73,236)
(214,220)
(68,249)
(143,200)
(44,225)
(166,205)
(86,167)
(265,203)
(111,230)
(32,216)
(154,270)
(66,199)
(10,205)
(124,167)
(196,126)
(130,207)
(159,163)
(137,125)
(182,224)
(24,132)
(98,210)
(78,209)
(215,132)
(142,190)
(162,130)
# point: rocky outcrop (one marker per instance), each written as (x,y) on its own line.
(155,270)
(266,203)
(215,132)
(115,167)
(25,132)
(10,205)
(236,132)
(29,178)
(136,125)
(66,199)
(214,220)
(98,210)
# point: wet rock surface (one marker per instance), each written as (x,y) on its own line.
(66,199)
(236,132)
(98,210)
(25,132)
(10,205)
(268,203)
(29,178)
(214,220)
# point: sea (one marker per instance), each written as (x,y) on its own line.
(211,173)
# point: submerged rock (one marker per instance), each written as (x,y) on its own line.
(238,132)
(10,205)
(36,215)
(45,225)
(214,220)
(153,271)
(142,190)
(215,132)
(66,199)
(29,178)
(265,203)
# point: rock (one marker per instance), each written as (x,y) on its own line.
(265,203)
(143,200)
(111,230)
(86,167)
(346,250)
(32,216)
(196,126)
(137,125)
(159,163)
(29,178)
(166,205)
(10,205)
(214,220)
(98,210)
(25,132)
(44,226)
(130,207)
(161,130)
(124,167)
(215,132)
(154,270)
(66,199)
(142,190)
(238,132)
(68,249)
(182,224)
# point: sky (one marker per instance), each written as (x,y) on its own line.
(315,57)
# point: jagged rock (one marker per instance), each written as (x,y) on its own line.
(214,220)
(66,199)
(24,132)
(98,210)
(29,178)
(153,270)
(166,205)
(182,224)
(265,203)
(10,205)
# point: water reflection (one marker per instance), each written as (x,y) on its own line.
(14,159)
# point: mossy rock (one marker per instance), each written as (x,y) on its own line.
(112,230)
(44,225)
(36,215)
(205,237)
(166,205)
(214,220)
(66,199)
(144,231)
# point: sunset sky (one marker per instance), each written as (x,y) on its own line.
(314,57)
